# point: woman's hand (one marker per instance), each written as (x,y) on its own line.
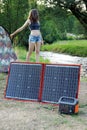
(42,42)
(11,36)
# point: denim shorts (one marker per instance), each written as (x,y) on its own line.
(34,39)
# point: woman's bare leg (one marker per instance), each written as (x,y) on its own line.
(31,48)
(37,50)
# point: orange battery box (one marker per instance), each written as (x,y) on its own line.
(68,105)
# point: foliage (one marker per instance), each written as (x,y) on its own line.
(13,16)
(74,47)
(13,13)
(77,7)
(55,21)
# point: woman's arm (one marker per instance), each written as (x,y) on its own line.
(20,29)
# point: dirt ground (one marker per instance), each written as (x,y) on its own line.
(17,115)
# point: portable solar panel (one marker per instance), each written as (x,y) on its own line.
(23,81)
(42,82)
(60,81)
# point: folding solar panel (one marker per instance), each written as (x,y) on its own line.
(42,82)
(23,81)
(60,81)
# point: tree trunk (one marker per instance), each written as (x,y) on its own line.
(81,16)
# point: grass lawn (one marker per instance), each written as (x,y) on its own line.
(22,52)
(72,47)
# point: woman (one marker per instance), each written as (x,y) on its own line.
(35,38)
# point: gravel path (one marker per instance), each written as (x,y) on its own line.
(66,59)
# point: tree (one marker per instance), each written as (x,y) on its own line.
(77,7)
(13,13)
(51,26)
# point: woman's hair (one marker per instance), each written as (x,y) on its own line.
(33,15)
